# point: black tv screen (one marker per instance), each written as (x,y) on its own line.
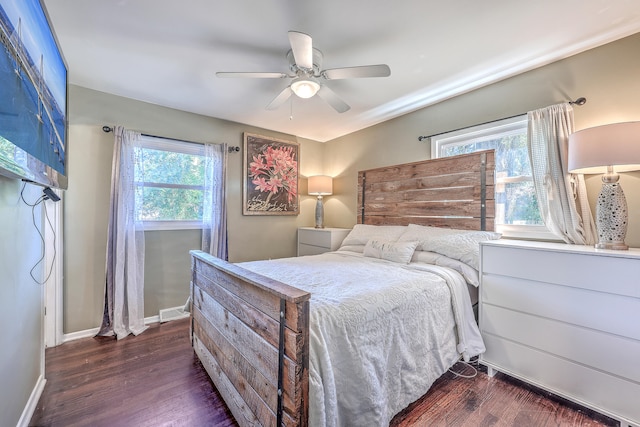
(33,96)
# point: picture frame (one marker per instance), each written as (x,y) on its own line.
(270,176)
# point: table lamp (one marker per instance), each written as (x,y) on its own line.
(320,185)
(608,149)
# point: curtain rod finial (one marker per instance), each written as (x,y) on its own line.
(106,129)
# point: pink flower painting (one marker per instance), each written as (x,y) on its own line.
(271,181)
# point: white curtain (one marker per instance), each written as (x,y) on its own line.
(214,214)
(124,293)
(214,209)
(562,197)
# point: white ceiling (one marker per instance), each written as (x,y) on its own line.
(167,52)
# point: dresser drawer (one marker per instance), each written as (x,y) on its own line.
(589,271)
(596,310)
(585,346)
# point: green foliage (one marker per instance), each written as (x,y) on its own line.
(9,158)
(173,189)
(168,167)
(512,161)
(521,204)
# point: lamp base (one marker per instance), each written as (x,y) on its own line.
(615,246)
(611,215)
(319,213)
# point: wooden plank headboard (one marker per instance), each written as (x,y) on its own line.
(455,192)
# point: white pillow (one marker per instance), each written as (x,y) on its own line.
(362,233)
(391,251)
(464,247)
(424,233)
(470,274)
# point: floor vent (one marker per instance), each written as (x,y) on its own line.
(173,313)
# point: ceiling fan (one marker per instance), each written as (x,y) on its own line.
(305,63)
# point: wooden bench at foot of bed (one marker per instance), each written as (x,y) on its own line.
(236,332)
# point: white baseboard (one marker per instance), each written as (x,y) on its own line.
(88,333)
(32,403)
(151,319)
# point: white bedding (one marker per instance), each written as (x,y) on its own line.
(380,332)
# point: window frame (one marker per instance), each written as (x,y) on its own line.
(504,127)
(148,142)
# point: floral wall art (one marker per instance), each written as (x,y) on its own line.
(270,176)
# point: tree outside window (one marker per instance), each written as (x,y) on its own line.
(517,212)
(170,183)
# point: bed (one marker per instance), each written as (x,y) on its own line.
(351,337)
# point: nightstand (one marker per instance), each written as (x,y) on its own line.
(313,241)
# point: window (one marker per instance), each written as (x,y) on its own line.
(517,213)
(170,184)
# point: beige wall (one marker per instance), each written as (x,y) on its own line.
(166,261)
(85,218)
(606,76)
(21,299)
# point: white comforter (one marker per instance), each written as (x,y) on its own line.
(380,332)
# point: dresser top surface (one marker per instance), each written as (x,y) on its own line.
(633,253)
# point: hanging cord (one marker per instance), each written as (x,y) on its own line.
(291,108)
(33,219)
(472,364)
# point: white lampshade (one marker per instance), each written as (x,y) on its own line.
(592,150)
(608,149)
(305,88)
(320,185)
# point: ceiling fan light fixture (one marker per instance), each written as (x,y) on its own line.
(305,88)
(305,66)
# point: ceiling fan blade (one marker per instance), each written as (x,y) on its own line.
(302,48)
(280,99)
(252,75)
(380,70)
(332,99)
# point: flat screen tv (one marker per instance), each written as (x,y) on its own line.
(33,96)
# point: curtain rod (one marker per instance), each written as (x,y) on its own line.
(232,149)
(579,101)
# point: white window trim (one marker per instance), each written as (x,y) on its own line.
(171,225)
(527,232)
(159,143)
(472,133)
(484,131)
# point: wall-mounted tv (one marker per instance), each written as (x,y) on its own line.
(33,96)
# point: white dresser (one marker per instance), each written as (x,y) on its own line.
(313,241)
(565,318)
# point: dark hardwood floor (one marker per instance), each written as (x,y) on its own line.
(155,379)
(497,401)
